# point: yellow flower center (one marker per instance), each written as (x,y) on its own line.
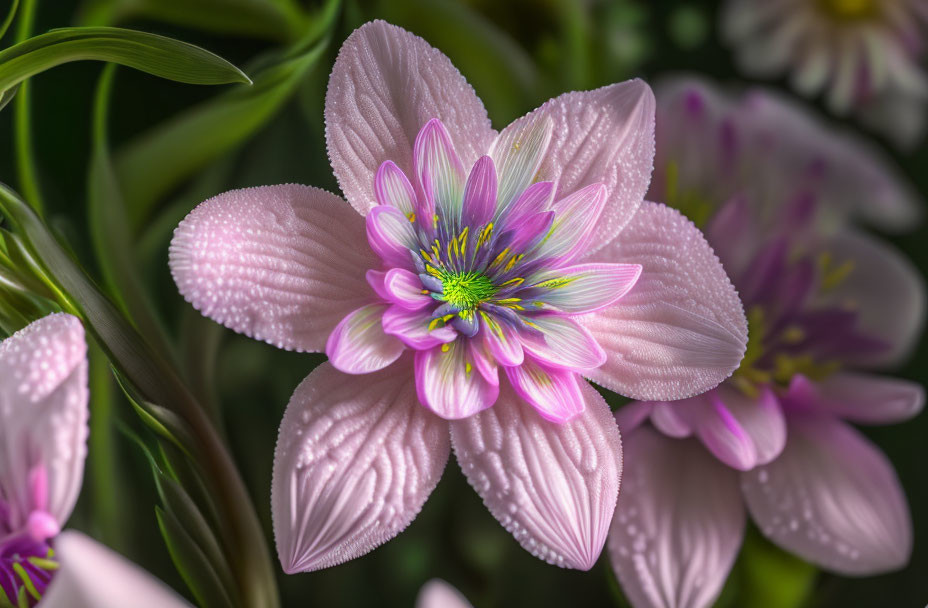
(849,10)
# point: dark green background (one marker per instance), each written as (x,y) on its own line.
(547,47)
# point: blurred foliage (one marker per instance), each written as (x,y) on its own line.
(115,161)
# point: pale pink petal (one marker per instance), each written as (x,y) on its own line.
(518,153)
(283,264)
(632,415)
(553,486)
(450,384)
(359,345)
(670,417)
(392,187)
(554,392)
(584,288)
(603,136)
(438,594)
(739,430)
(78,584)
(404,289)
(832,498)
(502,341)
(43,419)
(681,330)
(576,217)
(412,327)
(439,171)
(391,235)
(385,86)
(884,288)
(480,193)
(861,398)
(678,523)
(563,343)
(535,199)
(355,461)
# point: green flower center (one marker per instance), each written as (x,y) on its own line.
(465,290)
(849,9)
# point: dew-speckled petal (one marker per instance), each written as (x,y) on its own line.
(283,264)
(356,459)
(553,486)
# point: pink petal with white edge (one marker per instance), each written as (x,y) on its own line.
(77,583)
(861,398)
(681,330)
(832,498)
(438,594)
(391,235)
(392,187)
(439,171)
(480,193)
(277,263)
(563,343)
(385,85)
(502,341)
(884,288)
(449,383)
(356,459)
(554,393)
(404,289)
(604,136)
(585,288)
(518,153)
(741,431)
(412,327)
(678,524)
(669,416)
(359,345)
(43,419)
(553,486)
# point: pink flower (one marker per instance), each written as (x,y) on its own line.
(863,55)
(436,593)
(43,437)
(824,310)
(475,269)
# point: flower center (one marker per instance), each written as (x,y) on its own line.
(465,290)
(26,569)
(849,9)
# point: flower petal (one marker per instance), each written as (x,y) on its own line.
(276,263)
(43,418)
(480,193)
(604,136)
(584,288)
(439,172)
(77,583)
(885,290)
(359,345)
(518,153)
(678,524)
(861,398)
(502,341)
(355,461)
(391,235)
(392,187)
(555,393)
(553,486)
(576,216)
(412,327)
(385,85)
(449,383)
(436,593)
(563,343)
(833,499)
(404,289)
(682,329)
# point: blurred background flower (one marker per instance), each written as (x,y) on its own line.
(170,146)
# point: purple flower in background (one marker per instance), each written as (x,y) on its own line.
(825,310)
(481,274)
(863,55)
(43,442)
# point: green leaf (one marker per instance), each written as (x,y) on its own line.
(11,14)
(192,563)
(159,160)
(158,55)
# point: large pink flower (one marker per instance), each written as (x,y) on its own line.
(462,278)
(825,311)
(43,443)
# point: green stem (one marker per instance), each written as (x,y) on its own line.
(26,170)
